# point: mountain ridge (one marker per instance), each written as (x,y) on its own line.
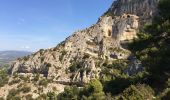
(87,53)
(100,39)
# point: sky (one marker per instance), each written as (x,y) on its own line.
(30,25)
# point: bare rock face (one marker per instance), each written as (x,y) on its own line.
(76,59)
(126,27)
(145,9)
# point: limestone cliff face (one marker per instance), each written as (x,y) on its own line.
(76,59)
(145,9)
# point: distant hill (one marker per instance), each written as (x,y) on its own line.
(7,56)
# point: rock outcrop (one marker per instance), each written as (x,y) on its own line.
(101,41)
(77,58)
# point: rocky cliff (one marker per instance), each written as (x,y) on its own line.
(79,57)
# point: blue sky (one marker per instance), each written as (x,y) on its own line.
(33,24)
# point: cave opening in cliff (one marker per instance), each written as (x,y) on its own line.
(109,33)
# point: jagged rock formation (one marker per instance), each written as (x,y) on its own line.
(77,59)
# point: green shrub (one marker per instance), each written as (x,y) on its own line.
(14,81)
(95,86)
(36,77)
(43,82)
(70,93)
(93,91)
(48,65)
(25,89)
(3,78)
(86,56)
(25,58)
(42,59)
(51,96)
(139,92)
(13,95)
(96,90)
(41,51)
(63,53)
(25,79)
(74,67)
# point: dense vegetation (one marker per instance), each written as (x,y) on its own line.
(3,77)
(153,49)
(93,91)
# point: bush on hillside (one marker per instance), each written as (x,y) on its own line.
(136,92)
(13,95)
(3,78)
(43,82)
